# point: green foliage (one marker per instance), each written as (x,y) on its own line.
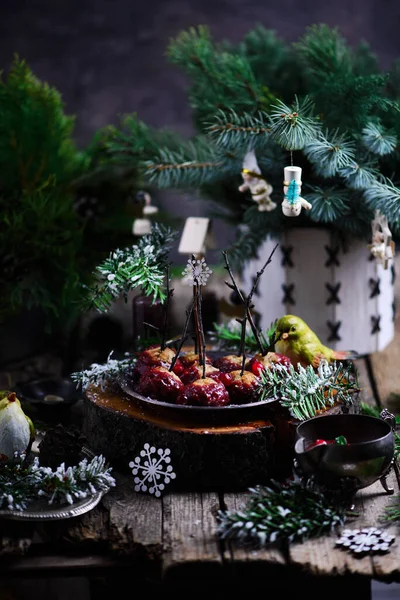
(60,207)
(141,266)
(22,483)
(35,134)
(103,374)
(282,513)
(305,391)
(228,336)
(222,78)
(319,102)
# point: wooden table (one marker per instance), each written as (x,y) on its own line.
(170,543)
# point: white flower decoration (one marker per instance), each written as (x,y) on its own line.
(196,272)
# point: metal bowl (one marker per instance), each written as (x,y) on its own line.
(367,456)
(213,416)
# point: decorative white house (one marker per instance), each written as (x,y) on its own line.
(343,293)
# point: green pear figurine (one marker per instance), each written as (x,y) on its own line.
(17,431)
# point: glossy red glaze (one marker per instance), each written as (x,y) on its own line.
(196,372)
(228,363)
(243,388)
(204,392)
(160,383)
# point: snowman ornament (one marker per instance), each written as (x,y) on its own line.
(293,202)
(254,182)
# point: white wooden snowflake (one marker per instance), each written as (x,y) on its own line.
(196,272)
(153,473)
(365,541)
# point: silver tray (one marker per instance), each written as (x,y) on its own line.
(43,511)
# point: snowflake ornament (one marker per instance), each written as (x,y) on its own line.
(365,541)
(153,473)
(196,271)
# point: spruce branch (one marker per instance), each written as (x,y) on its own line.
(328,204)
(140,266)
(330,152)
(384,196)
(293,127)
(305,391)
(233,130)
(359,176)
(282,513)
(103,374)
(378,140)
(22,483)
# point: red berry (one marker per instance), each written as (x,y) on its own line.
(316,443)
(225,378)
(178,367)
(257,367)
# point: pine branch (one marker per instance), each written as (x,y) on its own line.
(103,374)
(384,196)
(230,130)
(359,176)
(140,266)
(305,391)
(282,513)
(21,484)
(330,155)
(328,204)
(377,140)
(294,127)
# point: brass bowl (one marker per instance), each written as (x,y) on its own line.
(367,456)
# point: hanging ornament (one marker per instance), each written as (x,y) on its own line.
(142,225)
(260,189)
(293,202)
(382,246)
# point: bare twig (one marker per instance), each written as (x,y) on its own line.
(247,300)
(242,349)
(169,294)
(184,336)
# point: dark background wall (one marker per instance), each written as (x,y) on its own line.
(107,57)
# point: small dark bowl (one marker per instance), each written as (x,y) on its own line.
(366,457)
(51,395)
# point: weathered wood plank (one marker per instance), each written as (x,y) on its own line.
(320,557)
(130,523)
(239,554)
(189,522)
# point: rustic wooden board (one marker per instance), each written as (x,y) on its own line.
(127,522)
(320,557)
(241,554)
(189,533)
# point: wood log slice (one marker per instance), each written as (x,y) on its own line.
(204,455)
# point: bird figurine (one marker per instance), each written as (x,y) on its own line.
(295,339)
(17,431)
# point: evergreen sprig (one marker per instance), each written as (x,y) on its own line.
(330,152)
(22,483)
(326,103)
(228,336)
(306,391)
(140,266)
(377,140)
(281,513)
(293,127)
(328,203)
(105,373)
